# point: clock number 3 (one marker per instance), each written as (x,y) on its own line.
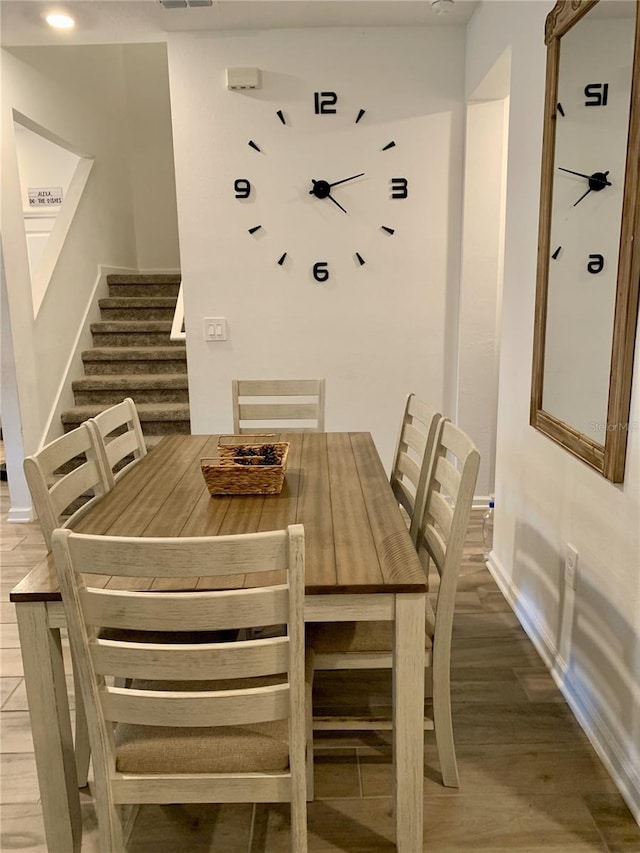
(320,271)
(399,188)
(324,102)
(596,264)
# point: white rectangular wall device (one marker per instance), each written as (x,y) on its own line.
(244,78)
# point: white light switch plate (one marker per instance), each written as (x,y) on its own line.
(215,328)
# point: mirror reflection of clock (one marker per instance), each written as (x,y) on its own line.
(591,124)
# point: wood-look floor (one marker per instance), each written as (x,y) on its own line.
(530,781)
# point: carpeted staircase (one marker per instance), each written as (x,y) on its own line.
(132,356)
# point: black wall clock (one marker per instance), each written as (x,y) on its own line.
(335,182)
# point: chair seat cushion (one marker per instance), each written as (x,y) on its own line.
(337,637)
(262,747)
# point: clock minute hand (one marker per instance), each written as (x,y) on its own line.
(344,180)
(603,181)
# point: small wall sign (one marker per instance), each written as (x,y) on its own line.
(45,196)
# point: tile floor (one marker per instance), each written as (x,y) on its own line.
(529,779)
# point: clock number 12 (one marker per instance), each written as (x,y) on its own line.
(324,102)
(596,94)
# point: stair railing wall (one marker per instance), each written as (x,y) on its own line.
(177,327)
(73,368)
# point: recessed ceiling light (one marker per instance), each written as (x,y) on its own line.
(60,21)
(442,7)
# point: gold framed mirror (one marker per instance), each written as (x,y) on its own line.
(588,276)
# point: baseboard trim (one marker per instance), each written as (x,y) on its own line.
(20,515)
(609,750)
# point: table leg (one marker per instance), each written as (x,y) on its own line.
(408,722)
(44,678)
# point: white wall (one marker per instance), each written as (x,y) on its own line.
(375,332)
(481,280)
(544,496)
(153,184)
(79,96)
(75,94)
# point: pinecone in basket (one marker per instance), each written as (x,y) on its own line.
(269,455)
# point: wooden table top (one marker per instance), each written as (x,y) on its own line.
(356,540)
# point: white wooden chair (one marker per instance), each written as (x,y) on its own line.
(412,458)
(265,405)
(127,443)
(55,491)
(177,736)
(441,537)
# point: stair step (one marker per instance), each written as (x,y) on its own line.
(137,308)
(156,419)
(143,285)
(142,387)
(126,333)
(110,360)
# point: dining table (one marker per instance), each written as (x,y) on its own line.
(360,564)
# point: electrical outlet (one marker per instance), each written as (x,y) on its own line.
(571,566)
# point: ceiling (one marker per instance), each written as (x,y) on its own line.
(132,21)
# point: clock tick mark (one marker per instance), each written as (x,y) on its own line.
(560,110)
(281,116)
(389,145)
(360,259)
(556,253)
(281,259)
(254,146)
(388,230)
(254,229)
(360,114)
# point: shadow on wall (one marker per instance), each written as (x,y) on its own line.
(593,649)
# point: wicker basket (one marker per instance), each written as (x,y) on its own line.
(224,474)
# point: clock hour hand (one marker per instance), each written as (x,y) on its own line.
(331,198)
(322,189)
(598,181)
(344,180)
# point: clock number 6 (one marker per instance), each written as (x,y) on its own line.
(399,188)
(596,264)
(320,271)
(242,187)
(324,102)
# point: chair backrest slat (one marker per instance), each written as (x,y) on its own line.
(181,557)
(412,458)
(54,492)
(219,708)
(258,409)
(114,449)
(444,523)
(170,611)
(236,660)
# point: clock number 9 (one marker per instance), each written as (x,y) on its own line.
(596,264)
(399,188)
(324,102)
(320,271)
(242,187)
